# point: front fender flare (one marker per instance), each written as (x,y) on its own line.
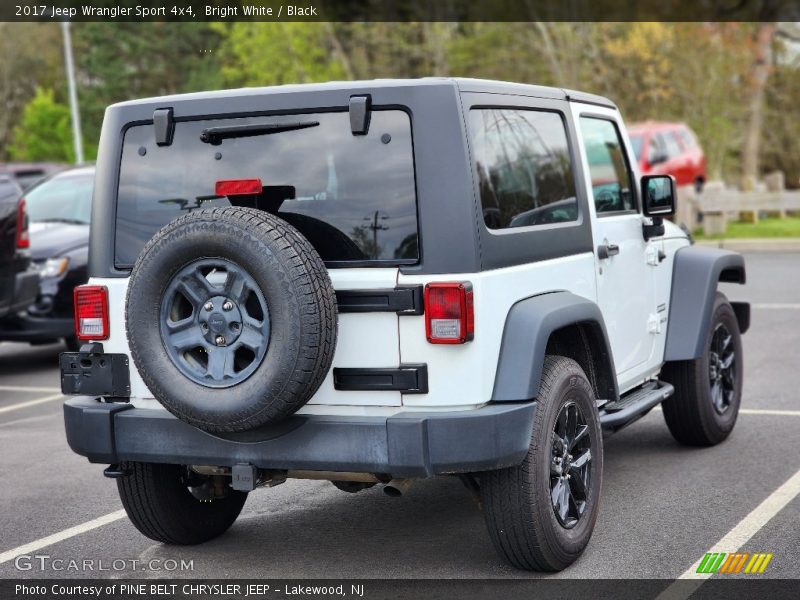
(696,272)
(528,328)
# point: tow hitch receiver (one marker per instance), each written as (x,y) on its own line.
(244,477)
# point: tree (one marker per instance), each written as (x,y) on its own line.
(44,132)
(123,61)
(30,57)
(761,44)
(282,52)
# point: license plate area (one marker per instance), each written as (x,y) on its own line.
(91,372)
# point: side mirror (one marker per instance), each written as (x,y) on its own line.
(658,195)
(658,201)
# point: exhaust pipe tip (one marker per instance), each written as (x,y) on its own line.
(397,487)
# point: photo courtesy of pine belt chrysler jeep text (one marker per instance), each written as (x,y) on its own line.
(375,282)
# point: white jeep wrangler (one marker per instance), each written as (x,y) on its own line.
(373,282)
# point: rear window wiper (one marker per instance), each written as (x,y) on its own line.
(215,135)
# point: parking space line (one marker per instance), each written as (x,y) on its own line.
(28,403)
(740,534)
(24,388)
(777,306)
(61,536)
(770,412)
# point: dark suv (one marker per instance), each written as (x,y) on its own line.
(18,283)
(58,211)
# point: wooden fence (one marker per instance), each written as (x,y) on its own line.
(718,205)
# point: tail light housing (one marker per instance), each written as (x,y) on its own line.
(23,238)
(91,312)
(449,314)
(238,187)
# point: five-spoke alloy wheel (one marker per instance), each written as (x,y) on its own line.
(215,322)
(570,468)
(722,368)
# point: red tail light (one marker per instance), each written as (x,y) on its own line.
(23,239)
(91,312)
(238,187)
(449,315)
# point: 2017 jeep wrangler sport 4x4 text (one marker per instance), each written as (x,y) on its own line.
(372,282)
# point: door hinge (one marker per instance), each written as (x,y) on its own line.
(652,255)
(654,323)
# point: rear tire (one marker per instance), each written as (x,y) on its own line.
(161,505)
(704,407)
(518,501)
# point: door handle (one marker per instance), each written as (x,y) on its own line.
(607,250)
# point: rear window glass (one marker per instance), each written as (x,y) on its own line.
(63,199)
(353,197)
(9,190)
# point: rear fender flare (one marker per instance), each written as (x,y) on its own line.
(528,328)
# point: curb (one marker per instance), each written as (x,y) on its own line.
(754,244)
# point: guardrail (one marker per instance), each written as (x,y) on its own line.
(718,205)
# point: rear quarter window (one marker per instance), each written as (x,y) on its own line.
(353,197)
(523,167)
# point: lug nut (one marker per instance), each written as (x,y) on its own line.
(235,326)
(227,305)
(204,326)
(219,340)
(208,305)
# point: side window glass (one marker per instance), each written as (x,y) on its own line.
(688,138)
(612,180)
(671,143)
(655,150)
(524,168)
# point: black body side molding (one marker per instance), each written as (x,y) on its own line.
(695,275)
(401,300)
(408,379)
(528,329)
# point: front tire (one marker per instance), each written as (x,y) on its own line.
(163,505)
(708,390)
(538,518)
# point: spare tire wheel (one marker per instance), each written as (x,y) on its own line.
(231,318)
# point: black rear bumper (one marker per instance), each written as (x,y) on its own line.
(407,444)
(27,328)
(18,291)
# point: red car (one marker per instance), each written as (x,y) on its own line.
(669,149)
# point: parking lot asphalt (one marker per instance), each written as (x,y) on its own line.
(663,505)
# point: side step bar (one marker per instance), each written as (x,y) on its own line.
(635,404)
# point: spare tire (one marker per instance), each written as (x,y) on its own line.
(231,318)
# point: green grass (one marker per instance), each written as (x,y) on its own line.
(765,228)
